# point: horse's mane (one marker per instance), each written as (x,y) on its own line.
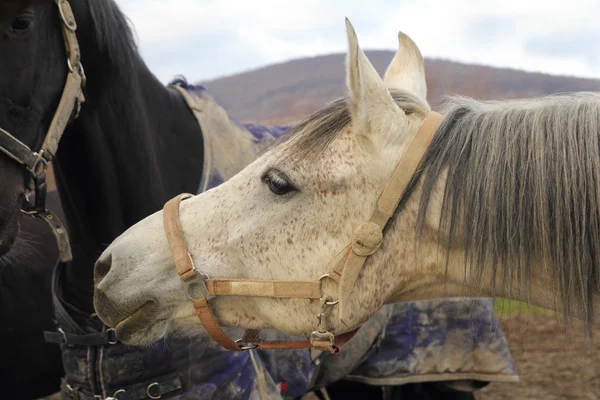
(522,186)
(114,35)
(522,190)
(314,133)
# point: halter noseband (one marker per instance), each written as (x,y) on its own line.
(367,239)
(36,163)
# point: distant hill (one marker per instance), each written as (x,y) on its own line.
(288,91)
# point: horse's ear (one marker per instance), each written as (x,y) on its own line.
(369,99)
(406,71)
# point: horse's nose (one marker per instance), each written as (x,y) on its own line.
(102,268)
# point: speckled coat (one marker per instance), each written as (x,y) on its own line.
(434,340)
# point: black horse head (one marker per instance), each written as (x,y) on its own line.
(33,71)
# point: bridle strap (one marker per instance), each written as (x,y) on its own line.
(258,288)
(187,272)
(367,240)
(72,96)
(18,151)
(368,236)
(200,288)
(70,102)
(36,163)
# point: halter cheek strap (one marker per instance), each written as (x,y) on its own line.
(368,236)
(36,163)
(367,239)
(200,288)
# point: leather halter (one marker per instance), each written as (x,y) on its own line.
(367,239)
(36,163)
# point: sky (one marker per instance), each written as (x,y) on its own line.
(204,39)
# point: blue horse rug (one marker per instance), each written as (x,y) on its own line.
(421,341)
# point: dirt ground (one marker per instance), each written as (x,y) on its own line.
(552,364)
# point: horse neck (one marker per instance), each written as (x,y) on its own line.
(135,145)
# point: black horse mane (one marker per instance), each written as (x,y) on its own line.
(115,38)
(114,35)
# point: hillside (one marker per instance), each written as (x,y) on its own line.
(286,91)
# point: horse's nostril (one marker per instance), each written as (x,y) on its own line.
(102,267)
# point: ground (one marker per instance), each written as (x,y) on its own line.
(552,364)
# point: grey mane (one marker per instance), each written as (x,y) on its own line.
(523,191)
(522,186)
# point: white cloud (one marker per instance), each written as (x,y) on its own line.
(208,38)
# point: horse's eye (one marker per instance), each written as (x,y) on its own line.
(22,23)
(278,183)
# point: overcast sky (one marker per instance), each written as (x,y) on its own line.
(203,39)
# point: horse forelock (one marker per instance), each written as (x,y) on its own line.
(313,134)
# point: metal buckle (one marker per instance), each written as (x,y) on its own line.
(41,164)
(325,337)
(246,345)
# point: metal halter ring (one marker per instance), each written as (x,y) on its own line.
(196,288)
(246,346)
(154,384)
(113,336)
(115,394)
(329,303)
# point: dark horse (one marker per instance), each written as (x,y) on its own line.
(134,145)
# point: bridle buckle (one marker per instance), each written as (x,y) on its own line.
(40,166)
(323,341)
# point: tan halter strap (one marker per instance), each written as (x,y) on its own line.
(201,289)
(72,97)
(368,238)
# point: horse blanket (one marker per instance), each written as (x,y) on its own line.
(434,340)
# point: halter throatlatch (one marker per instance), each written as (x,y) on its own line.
(36,163)
(367,239)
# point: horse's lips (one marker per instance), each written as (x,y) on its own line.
(136,322)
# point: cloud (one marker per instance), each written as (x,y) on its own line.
(208,38)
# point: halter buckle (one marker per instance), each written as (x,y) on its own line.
(323,341)
(40,166)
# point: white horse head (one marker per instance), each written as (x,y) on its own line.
(291,212)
